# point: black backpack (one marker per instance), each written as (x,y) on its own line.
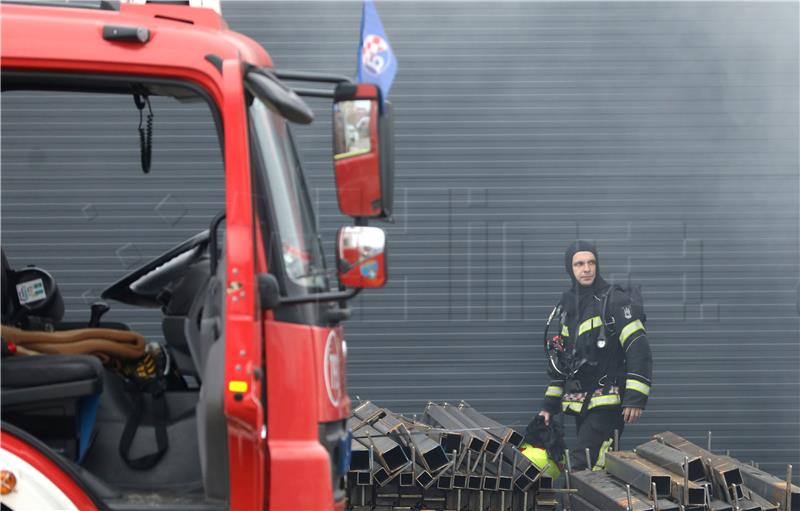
(630,295)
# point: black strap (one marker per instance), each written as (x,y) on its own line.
(132,425)
(141,99)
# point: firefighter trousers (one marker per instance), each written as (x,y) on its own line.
(596,432)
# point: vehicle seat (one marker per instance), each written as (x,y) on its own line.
(53,397)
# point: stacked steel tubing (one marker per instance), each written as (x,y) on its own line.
(671,473)
(453,458)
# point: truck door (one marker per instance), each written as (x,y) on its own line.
(306,398)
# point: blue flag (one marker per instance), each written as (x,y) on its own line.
(376,61)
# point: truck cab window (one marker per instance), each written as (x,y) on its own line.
(294,233)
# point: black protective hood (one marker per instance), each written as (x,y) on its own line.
(574,248)
(578,291)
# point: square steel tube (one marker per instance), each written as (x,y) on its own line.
(406,479)
(671,459)
(430,453)
(632,469)
(359,457)
(696,493)
(387,452)
(578,503)
(606,493)
(767,485)
(761,502)
(718,505)
(439,416)
(491,444)
(722,471)
(524,483)
(494,428)
(474,482)
(368,412)
(363,478)
(490,483)
(425,479)
(444,482)
(450,441)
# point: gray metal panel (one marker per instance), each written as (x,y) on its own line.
(667,132)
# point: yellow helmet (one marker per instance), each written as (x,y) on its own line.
(539,458)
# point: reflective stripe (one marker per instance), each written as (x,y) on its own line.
(589,324)
(638,386)
(630,328)
(601,457)
(611,399)
(571,406)
(237,386)
(553,391)
(565,331)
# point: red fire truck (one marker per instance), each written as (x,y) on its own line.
(261,321)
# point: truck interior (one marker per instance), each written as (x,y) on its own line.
(139,432)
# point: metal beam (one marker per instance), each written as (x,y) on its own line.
(671,459)
(580,504)
(640,474)
(430,453)
(694,495)
(359,457)
(607,493)
(724,474)
(388,452)
(499,431)
(490,444)
(436,414)
(767,485)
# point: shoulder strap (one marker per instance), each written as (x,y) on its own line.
(159,417)
(607,329)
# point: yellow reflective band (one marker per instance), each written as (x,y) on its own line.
(571,406)
(611,399)
(553,391)
(589,324)
(237,386)
(638,386)
(565,331)
(630,328)
(342,156)
(601,457)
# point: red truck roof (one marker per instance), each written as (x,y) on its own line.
(183,41)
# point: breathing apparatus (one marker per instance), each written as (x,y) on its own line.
(562,359)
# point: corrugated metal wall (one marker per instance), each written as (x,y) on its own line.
(666,132)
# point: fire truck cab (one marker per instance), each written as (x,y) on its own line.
(259,314)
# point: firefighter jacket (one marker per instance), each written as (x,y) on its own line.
(616,370)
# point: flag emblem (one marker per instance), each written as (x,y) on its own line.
(374,55)
(376,62)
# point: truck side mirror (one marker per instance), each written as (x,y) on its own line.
(363,151)
(361,256)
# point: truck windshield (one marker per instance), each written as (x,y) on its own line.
(293,227)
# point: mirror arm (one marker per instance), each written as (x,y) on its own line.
(334,296)
(269,293)
(312,93)
(307,76)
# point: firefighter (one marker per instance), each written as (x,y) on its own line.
(608,360)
